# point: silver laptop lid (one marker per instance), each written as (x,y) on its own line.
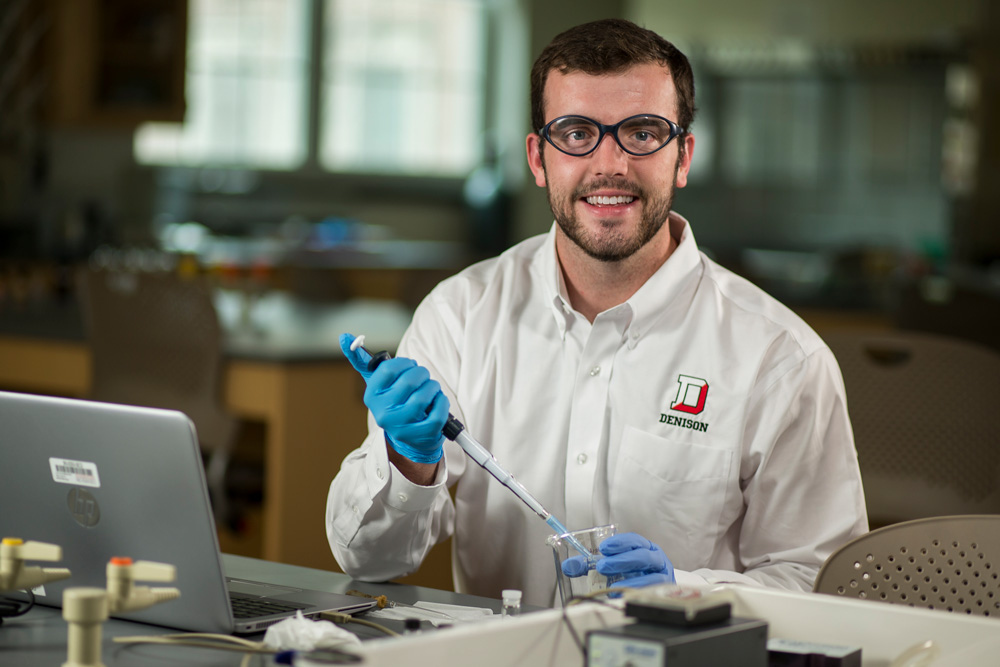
(104,480)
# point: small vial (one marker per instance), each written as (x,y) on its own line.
(511,602)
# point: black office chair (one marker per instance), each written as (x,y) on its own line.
(950,563)
(926,416)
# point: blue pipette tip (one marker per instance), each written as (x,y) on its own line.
(563,532)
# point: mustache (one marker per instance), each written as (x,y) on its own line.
(621,185)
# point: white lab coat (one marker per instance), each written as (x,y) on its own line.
(752,478)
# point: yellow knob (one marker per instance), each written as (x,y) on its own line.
(13,541)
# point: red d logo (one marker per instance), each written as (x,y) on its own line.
(691,394)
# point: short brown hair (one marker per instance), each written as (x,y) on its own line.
(610,46)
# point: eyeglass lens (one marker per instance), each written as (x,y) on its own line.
(641,135)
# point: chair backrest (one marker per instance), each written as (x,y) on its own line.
(156,341)
(949,562)
(926,416)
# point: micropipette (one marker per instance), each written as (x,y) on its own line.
(454,430)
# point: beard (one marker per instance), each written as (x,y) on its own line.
(611,243)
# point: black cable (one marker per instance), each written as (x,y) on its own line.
(341,619)
(594,596)
(9,607)
(572,632)
(250,649)
(326,656)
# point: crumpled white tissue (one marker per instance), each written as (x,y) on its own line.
(438,613)
(302,634)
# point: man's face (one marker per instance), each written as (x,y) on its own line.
(610,203)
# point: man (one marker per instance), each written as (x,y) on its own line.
(619,374)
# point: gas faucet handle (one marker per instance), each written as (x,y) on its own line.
(124,595)
(15,575)
(15,547)
(124,568)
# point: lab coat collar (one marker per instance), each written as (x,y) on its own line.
(667,286)
(647,304)
(545,266)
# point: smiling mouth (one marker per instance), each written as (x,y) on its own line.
(609,201)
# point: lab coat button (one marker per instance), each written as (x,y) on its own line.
(596,370)
(378,473)
(402,497)
(355,509)
(581,459)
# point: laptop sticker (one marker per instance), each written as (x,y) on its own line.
(77,473)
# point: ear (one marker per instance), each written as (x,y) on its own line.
(684,160)
(535,163)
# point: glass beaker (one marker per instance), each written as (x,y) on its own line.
(590,579)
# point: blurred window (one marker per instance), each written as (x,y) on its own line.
(400,87)
(247,84)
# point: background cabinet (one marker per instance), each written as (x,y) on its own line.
(116,62)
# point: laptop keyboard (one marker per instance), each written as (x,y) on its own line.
(251,607)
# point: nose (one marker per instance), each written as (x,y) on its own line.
(608,159)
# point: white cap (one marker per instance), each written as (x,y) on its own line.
(511,595)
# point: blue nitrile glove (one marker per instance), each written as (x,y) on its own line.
(629,555)
(408,405)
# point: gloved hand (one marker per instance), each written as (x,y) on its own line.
(630,556)
(408,405)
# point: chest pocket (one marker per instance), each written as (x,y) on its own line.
(679,495)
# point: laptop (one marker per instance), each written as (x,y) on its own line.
(103,480)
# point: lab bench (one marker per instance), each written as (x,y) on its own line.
(40,636)
(883,632)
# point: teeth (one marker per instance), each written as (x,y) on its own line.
(610,201)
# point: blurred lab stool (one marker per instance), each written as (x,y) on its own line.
(947,562)
(926,416)
(156,341)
